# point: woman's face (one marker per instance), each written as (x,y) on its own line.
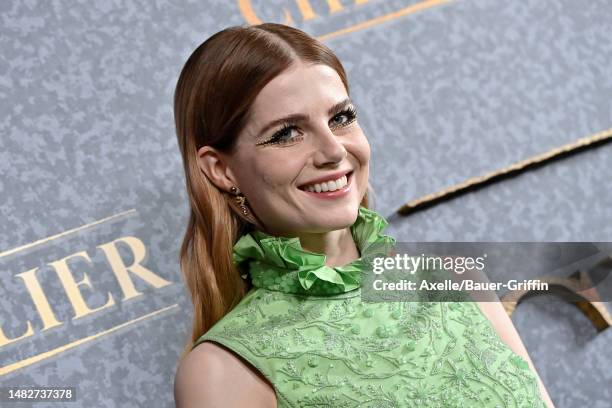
(274,166)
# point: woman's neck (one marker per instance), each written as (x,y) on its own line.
(338,246)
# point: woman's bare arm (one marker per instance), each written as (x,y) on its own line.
(212,377)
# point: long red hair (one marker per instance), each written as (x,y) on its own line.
(214,93)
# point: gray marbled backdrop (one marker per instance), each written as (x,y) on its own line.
(92,203)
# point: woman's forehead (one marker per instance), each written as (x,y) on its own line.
(304,90)
(296,86)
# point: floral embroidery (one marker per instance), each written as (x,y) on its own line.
(320,345)
(432,356)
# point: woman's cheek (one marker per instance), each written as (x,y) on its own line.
(275,182)
(362,149)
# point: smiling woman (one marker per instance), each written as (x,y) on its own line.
(279,236)
(298,139)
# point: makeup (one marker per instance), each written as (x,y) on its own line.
(282,136)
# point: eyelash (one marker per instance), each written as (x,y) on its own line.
(350,113)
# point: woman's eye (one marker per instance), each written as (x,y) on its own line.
(337,120)
(284,136)
(344,118)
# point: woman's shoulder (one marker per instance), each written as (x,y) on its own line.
(203,377)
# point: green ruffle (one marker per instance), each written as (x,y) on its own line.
(280,263)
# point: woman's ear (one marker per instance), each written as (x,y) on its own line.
(215,166)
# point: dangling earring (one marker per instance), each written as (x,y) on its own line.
(239,204)
(240,200)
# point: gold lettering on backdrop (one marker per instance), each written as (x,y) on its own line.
(58,350)
(40,302)
(121,270)
(5,340)
(334,5)
(306,10)
(29,275)
(39,298)
(246,8)
(72,287)
(304,6)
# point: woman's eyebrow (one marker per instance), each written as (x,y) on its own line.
(295,117)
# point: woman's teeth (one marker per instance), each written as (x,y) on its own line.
(327,186)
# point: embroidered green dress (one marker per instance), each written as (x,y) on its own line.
(305,327)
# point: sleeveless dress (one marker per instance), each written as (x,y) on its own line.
(305,327)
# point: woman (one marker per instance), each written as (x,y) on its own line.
(276,169)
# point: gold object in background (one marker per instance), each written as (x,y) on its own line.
(578,285)
(478,182)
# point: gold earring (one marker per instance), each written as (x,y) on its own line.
(240,200)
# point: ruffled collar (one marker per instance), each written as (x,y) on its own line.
(280,263)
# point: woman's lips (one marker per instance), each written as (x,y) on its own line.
(320,180)
(304,187)
(341,192)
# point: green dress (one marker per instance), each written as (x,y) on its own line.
(305,327)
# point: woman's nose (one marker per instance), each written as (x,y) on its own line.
(329,148)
